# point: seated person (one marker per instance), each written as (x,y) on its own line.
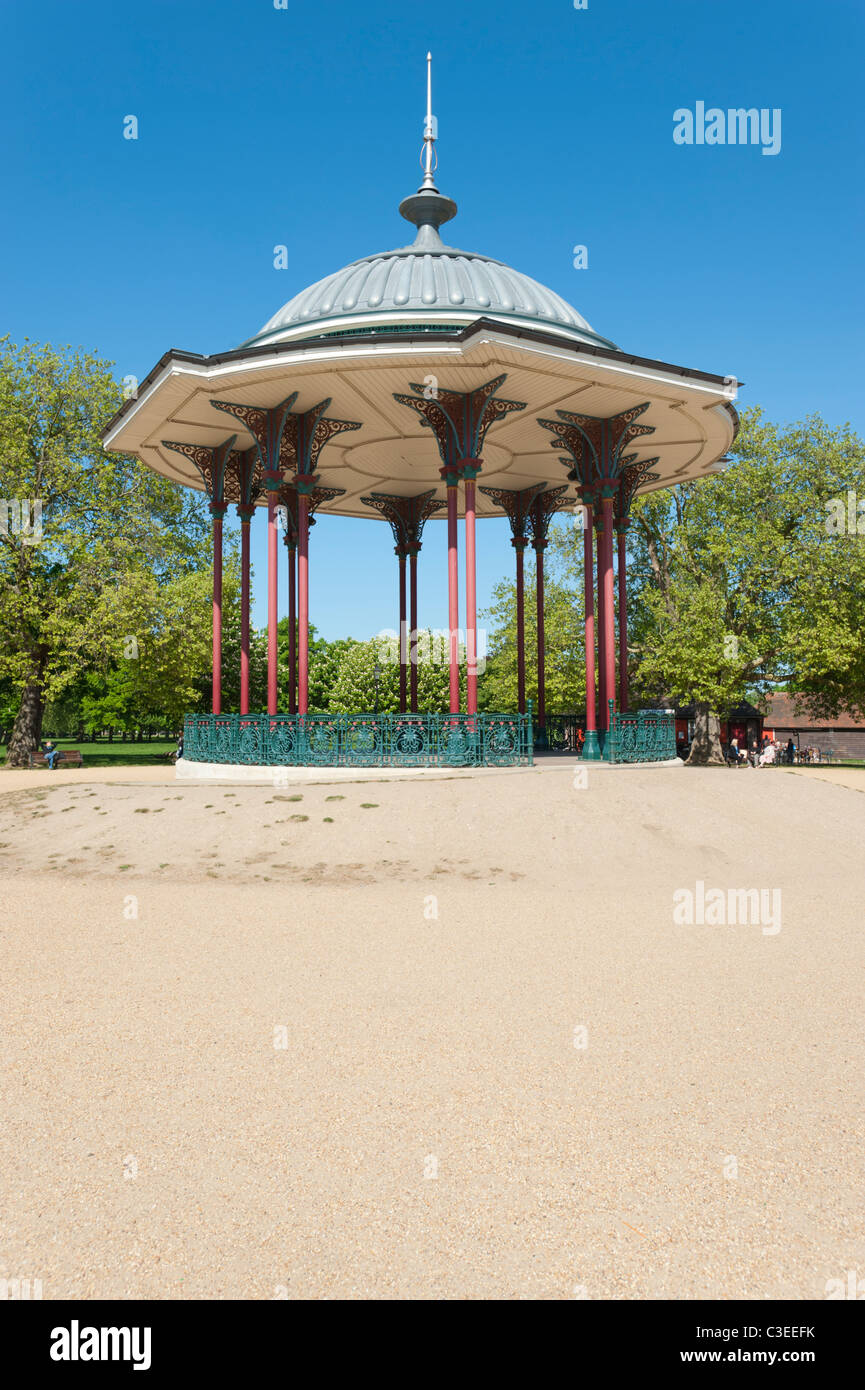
(51,752)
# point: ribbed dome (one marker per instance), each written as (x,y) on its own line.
(414,283)
(425,286)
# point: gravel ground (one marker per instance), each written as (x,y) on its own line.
(438,1040)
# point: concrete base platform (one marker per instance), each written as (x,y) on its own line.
(287,776)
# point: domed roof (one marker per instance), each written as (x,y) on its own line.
(425,286)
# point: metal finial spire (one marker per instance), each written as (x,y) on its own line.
(428,208)
(429,158)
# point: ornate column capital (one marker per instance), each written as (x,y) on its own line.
(213,466)
(405,515)
(596,444)
(631,478)
(459,419)
(541,512)
(305,484)
(588,496)
(264,423)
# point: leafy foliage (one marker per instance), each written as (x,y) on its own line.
(119,550)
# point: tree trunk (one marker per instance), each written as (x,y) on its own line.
(27,729)
(706,744)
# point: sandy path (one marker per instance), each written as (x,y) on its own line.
(415,1044)
(13,779)
(852,777)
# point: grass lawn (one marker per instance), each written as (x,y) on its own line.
(116,754)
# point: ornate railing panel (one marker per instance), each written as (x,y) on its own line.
(502,735)
(360,740)
(641,736)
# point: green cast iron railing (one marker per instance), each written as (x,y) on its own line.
(360,740)
(641,736)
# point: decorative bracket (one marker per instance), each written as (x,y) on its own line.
(459,419)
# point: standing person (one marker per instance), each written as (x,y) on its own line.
(790,750)
(734,749)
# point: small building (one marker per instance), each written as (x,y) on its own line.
(844,736)
(743,722)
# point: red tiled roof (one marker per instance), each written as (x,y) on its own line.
(781,714)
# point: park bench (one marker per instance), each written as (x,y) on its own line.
(68,758)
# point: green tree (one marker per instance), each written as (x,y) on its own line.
(354,690)
(166,655)
(565,667)
(325,659)
(107,539)
(737,585)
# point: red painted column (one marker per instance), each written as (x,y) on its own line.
(413,672)
(519,545)
(471,592)
(622,539)
(609,606)
(601,625)
(542,656)
(403,654)
(217,513)
(292,627)
(245,518)
(272,601)
(453,593)
(303,603)
(590,747)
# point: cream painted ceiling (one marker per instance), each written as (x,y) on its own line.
(392,452)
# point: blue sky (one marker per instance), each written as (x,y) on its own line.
(301,126)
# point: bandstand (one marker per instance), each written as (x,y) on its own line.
(413,385)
